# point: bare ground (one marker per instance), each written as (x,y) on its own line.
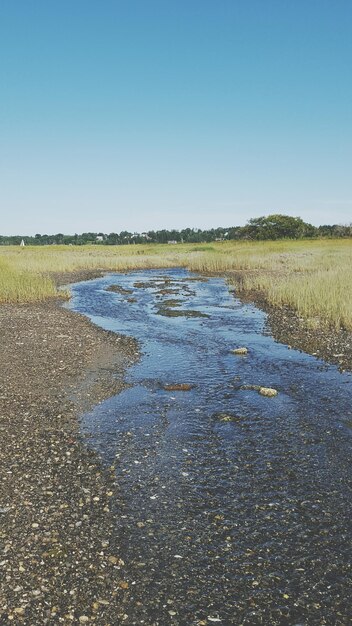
(58,562)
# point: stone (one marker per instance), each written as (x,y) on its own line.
(268,392)
(240,351)
(113,560)
(19,610)
(178,387)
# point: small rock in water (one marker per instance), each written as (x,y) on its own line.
(240,351)
(227,417)
(178,387)
(268,392)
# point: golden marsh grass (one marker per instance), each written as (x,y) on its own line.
(20,285)
(313,277)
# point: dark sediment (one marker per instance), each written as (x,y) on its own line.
(171,312)
(119,289)
(65,278)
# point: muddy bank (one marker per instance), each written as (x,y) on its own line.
(65,278)
(333,346)
(286,326)
(58,560)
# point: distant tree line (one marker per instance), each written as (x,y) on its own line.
(269,227)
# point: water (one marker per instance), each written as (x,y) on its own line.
(233,508)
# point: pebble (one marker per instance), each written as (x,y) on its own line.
(268,392)
(19,611)
(240,351)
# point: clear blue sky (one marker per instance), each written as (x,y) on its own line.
(146,114)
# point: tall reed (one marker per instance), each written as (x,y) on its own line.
(18,285)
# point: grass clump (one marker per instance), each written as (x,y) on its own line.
(23,285)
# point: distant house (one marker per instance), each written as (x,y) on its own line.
(22,244)
(99,238)
(172,241)
(222,238)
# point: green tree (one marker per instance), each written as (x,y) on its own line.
(278,226)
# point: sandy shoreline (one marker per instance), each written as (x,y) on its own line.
(59,563)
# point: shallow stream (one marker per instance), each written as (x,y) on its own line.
(233,508)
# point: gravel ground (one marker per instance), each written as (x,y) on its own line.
(58,561)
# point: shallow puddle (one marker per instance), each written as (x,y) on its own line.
(233,508)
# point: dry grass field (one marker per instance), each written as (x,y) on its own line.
(312,276)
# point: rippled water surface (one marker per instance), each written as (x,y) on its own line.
(233,508)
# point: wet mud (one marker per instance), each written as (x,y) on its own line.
(166,311)
(232,507)
(118,289)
